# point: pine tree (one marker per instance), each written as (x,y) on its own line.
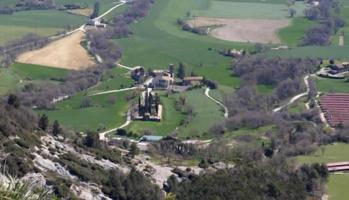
(13,100)
(56,129)
(181,70)
(43,122)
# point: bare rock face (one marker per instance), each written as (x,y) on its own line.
(88,192)
(35,179)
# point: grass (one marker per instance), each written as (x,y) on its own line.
(326,85)
(171,119)
(102,114)
(258,132)
(293,34)
(249,10)
(8,80)
(37,72)
(158,42)
(298,106)
(336,152)
(21,23)
(207,114)
(338,187)
(324,52)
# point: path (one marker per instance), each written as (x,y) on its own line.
(341,40)
(114,91)
(128,68)
(295,98)
(122,2)
(226,112)
(128,121)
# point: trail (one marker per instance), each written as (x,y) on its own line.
(114,91)
(295,98)
(226,112)
(128,121)
(122,2)
(128,68)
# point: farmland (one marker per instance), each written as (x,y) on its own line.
(21,23)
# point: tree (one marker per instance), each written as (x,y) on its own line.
(86,102)
(56,129)
(92,139)
(181,70)
(134,150)
(95,10)
(13,100)
(171,69)
(43,122)
(292,12)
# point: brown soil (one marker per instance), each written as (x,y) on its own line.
(242,30)
(64,53)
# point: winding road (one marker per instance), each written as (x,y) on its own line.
(226,112)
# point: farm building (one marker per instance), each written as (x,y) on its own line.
(163,80)
(341,68)
(193,80)
(335,108)
(150,138)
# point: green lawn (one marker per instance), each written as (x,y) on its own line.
(171,120)
(293,34)
(336,152)
(37,72)
(338,187)
(8,80)
(324,52)
(158,42)
(207,114)
(326,85)
(21,23)
(298,106)
(102,113)
(249,10)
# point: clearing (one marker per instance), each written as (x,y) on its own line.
(242,30)
(64,53)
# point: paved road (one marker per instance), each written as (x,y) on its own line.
(114,91)
(226,112)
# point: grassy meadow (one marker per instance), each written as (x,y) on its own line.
(21,23)
(249,10)
(158,42)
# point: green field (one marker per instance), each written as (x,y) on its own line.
(338,187)
(21,23)
(326,85)
(102,113)
(8,81)
(248,10)
(293,34)
(158,41)
(37,72)
(336,152)
(207,114)
(324,52)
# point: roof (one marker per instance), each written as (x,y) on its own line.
(151,138)
(193,78)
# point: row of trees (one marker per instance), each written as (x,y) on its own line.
(11,50)
(327,13)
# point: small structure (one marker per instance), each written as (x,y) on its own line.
(150,138)
(162,80)
(193,80)
(341,68)
(96,23)
(148,107)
